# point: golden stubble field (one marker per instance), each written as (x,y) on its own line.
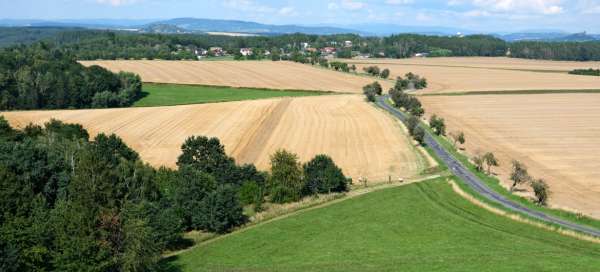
(488,74)
(256,74)
(363,140)
(555,135)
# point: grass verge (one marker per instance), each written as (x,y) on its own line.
(155,94)
(419,227)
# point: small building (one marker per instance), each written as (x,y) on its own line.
(246,51)
(201,52)
(304,45)
(217,51)
(347,43)
(328,50)
(311,49)
(421,55)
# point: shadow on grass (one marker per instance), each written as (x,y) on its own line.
(169,265)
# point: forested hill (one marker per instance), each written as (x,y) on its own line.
(98,44)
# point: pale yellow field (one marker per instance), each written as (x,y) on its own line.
(363,140)
(257,74)
(555,135)
(488,74)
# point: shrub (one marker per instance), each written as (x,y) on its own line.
(385,73)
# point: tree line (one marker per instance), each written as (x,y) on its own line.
(41,76)
(102,44)
(71,203)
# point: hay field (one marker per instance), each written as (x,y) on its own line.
(488,74)
(363,140)
(555,135)
(256,74)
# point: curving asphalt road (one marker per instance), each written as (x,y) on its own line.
(479,186)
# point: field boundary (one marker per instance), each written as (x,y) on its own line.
(237,88)
(461,66)
(513,92)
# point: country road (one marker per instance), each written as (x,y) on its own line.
(479,186)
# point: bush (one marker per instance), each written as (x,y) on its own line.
(372,90)
(285,182)
(372,70)
(321,175)
(221,210)
(419,135)
(385,73)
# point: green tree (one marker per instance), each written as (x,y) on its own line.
(519,174)
(541,191)
(221,210)
(385,73)
(192,187)
(438,125)
(419,135)
(207,155)
(478,161)
(490,160)
(322,175)
(285,182)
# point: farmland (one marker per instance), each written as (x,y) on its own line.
(488,74)
(362,140)
(255,74)
(419,227)
(173,94)
(553,134)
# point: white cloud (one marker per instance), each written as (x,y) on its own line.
(116,3)
(520,6)
(287,11)
(347,5)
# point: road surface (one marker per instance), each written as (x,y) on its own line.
(479,186)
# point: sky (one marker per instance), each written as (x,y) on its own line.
(478,15)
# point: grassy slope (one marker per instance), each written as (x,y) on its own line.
(173,94)
(419,227)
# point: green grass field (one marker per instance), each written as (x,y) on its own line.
(418,227)
(174,94)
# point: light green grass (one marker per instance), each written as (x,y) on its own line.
(174,94)
(419,227)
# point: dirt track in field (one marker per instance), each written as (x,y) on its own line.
(363,140)
(489,74)
(256,74)
(555,135)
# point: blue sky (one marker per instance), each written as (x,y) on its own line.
(481,15)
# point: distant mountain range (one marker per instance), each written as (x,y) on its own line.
(195,25)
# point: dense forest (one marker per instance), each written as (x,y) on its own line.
(41,76)
(574,51)
(73,204)
(97,44)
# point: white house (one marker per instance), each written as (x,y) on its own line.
(246,51)
(348,44)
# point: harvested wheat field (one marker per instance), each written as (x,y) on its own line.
(256,74)
(488,74)
(555,135)
(364,141)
